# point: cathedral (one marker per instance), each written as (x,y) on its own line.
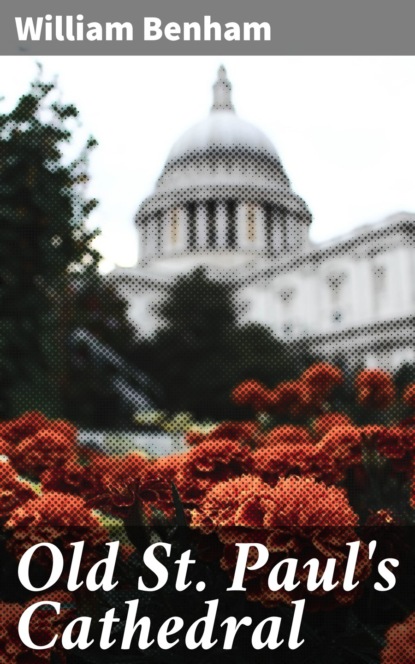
(224,201)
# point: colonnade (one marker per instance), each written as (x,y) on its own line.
(220,225)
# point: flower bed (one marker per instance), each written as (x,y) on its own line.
(302,491)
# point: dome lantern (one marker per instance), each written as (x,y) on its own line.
(222,92)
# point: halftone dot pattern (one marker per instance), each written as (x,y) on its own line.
(294,469)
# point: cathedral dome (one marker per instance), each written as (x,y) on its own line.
(223,194)
(224,129)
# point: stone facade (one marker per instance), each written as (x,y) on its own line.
(224,201)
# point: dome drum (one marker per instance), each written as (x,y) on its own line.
(222,224)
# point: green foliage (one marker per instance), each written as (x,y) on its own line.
(48,266)
(202,352)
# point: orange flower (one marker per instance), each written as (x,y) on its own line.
(324,423)
(44,625)
(28,424)
(412,497)
(73,478)
(49,447)
(408,396)
(288,399)
(131,480)
(13,492)
(395,442)
(318,381)
(119,467)
(271,463)
(195,437)
(251,393)
(337,451)
(227,501)
(242,432)
(299,518)
(119,479)
(210,462)
(288,434)
(400,643)
(375,388)
(57,518)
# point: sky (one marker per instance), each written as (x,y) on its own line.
(344,128)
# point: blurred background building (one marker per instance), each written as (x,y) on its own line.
(224,201)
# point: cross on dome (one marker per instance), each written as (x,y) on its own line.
(222,92)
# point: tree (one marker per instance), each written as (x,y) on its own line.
(201,352)
(49,275)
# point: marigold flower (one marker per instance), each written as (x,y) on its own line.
(122,467)
(375,388)
(119,479)
(337,451)
(125,482)
(299,518)
(318,381)
(221,506)
(271,463)
(288,434)
(395,442)
(44,625)
(58,518)
(412,497)
(400,643)
(408,396)
(195,437)
(72,477)
(288,398)
(13,492)
(49,447)
(242,432)
(251,393)
(210,462)
(28,424)
(322,374)
(323,423)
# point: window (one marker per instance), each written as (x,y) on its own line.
(379,276)
(251,223)
(174,226)
(335,283)
(287,294)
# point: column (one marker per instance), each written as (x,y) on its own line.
(201,225)
(277,231)
(221,225)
